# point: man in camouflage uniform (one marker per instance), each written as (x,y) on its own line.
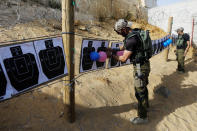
(141,67)
(182,47)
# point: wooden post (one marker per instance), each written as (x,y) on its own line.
(170,22)
(191,40)
(112,15)
(193,48)
(192,33)
(68,40)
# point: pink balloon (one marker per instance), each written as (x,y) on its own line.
(120,53)
(103,56)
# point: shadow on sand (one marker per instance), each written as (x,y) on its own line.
(39,111)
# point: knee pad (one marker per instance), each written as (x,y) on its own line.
(140,95)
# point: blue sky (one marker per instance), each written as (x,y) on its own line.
(168,2)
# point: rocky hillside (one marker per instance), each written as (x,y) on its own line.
(17,11)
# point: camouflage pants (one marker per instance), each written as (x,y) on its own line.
(141,91)
(180,59)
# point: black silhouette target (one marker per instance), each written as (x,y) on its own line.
(161,44)
(115,62)
(52,60)
(158,46)
(22,69)
(104,49)
(3,82)
(87,63)
(154,47)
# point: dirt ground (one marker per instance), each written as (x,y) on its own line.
(105,99)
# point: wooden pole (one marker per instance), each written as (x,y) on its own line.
(112,15)
(192,33)
(193,49)
(68,40)
(170,22)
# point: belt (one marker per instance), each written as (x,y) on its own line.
(141,62)
(180,47)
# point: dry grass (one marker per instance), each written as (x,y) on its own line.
(55,4)
(155,32)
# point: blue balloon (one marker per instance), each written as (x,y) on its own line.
(94,56)
(169,41)
(165,44)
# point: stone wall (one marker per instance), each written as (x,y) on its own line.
(182,13)
(29,10)
(89,9)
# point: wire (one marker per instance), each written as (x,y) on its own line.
(29,39)
(50,36)
(71,81)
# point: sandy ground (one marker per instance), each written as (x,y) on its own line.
(105,99)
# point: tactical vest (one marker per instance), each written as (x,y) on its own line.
(141,54)
(181,43)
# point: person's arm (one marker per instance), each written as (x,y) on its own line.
(117,48)
(124,57)
(128,49)
(110,51)
(188,46)
(187,38)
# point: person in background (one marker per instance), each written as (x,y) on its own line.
(182,47)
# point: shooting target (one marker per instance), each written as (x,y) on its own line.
(20,66)
(51,57)
(3,82)
(88,46)
(113,62)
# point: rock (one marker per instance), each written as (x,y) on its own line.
(83,28)
(61,114)
(164,91)
(108,35)
(97,33)
(41,120)
(27,126)
(77,22)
